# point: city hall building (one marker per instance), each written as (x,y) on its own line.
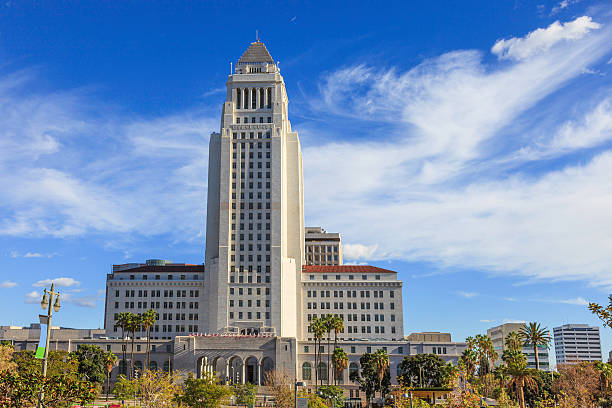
(247,309)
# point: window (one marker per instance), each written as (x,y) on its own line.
(322,371)
(306,371)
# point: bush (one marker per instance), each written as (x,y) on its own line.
(245,393)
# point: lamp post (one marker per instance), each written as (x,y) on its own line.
(295,390)
(47,303)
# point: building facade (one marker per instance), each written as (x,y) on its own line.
(498,336)
(322,247)
(577,342)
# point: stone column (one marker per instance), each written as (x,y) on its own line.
(242,381)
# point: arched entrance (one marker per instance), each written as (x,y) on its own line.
(236,371)
(267,365)
(252,370)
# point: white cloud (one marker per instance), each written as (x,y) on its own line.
(595,128)
(579,301)
(16,254)
(33,297)
(467,295)
(563,5)
(514,321)
(7,284)
(486,321)
(358,251)
(430,183)
(543,39)
(63,282)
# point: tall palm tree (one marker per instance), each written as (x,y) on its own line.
(536,336)
(110,360)
(318,330)
(486,353)
(469,358)
(340,361)
(329,326)
(133,326)
(122,322)
(381,359)
(516,366)
(337,324)
(148,320)
(514,341)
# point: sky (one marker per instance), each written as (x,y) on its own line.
(465,145)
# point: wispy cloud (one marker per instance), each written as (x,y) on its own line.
(33,297)
(579,301)
(467,295)
(62,282)
(7,284)
(431,181)
(358,251)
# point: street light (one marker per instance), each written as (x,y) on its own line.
(46,303)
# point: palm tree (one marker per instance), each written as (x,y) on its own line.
(340,361)
(516,366)
(110,360)
(148,320)
(123,320)
(381,359)
(338,326)
(514,341)
(133,326)
(469,358)
(605,370)
(317,329)
(328,323)
(486,353)
(536,336)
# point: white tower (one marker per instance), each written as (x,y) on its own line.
(255,218)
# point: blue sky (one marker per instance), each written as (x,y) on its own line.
(467,145)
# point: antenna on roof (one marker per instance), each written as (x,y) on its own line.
(256,35)
(231,68)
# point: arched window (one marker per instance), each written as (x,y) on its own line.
(322,371)
(306,371)
(167,366)
(153,365)
(353,369)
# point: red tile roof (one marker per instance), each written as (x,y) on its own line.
(344,269)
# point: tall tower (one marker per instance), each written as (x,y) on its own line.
(255,218)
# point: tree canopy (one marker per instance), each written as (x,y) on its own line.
(426,369)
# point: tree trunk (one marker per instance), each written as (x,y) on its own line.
(124,347)
(535,351)
(328,355)
(132,357)
(107,384)
(521,397)
(148,346)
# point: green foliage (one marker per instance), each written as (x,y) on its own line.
(514,341)
(535,336)
(333,394)
(433,371)
(419,403)
(124,389)
(63,390)
(314,401)
(91,363)
(244,393)
(60,362)
(603,312)
(204,392)
(368,376)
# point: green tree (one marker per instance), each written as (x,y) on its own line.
(333,394)
(469,358)
(337,324)
(124,389)
(382,367)
(536,336)
(91,363)
(133,326)
(314,401)
(158,389)
(328,324)
(122,322)
(486,353)
(514,341)
(317,329)
(148,320)
(368,376)
(6,358)
(60,362)
(603,312)
(204,392)
(244,394)
(516,366)
(110,360)
(340,362)
(426,369)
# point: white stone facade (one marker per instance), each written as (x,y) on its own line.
(322,247)
(577,342)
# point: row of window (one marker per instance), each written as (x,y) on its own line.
(169,277)
(156,305)
(251,156)
(259,98)
(400,350)
(251,185)
(180,316)
(250,247)
(353,317)
(249,268)
(249,315)
(251,206)
(338,277)
(251,135)
(349,293)
(321,248)
(249,279)
(249,258)
(350,305)
(249,291)
(249,303)
(253,119)
(157,293)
